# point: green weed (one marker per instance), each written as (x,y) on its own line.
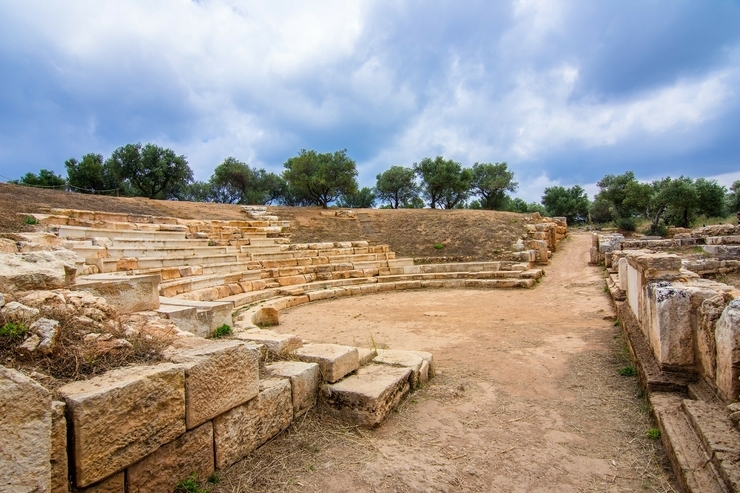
(222,331)
(12,330)
(31,220)
(627,371)
(189,485)
(439,246)
(653,433)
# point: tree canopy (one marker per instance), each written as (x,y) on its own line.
(235,182)
(491,182)
(90,175)
(152,171)
(320,178)
(444,182)
(571,203)
(396,186)
(46,178)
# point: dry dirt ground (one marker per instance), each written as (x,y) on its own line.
(527,397)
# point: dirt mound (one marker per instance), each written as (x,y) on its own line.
(446,234)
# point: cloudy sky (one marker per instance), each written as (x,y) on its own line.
(563,91)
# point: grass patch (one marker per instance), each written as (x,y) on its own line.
(627,371)
(222,331)
(189,485)
(653,433)
(12,330)
(30,220)
(439,246)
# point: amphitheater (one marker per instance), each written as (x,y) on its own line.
(346,367)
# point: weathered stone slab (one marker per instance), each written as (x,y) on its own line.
(366,355)
(668,322)
(727,335)
(405,359)
(275,407)
(128,294)
(277,344)
(114,484)
(266,317)
(236,433)
(335,360)
(191,453)
(121,417)
(304,382)
(219,375)
(366,398)
(25,434)
(59,462)
(37,270)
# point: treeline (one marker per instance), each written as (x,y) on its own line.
(625,202)
(313,178)
(310,178)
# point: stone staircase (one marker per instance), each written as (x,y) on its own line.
(205,273)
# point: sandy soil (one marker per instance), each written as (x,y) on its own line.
(528,396)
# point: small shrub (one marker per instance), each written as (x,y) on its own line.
(627,371)
(12,330)
(439,246)
(31,220)
(222,331)
(653,433)
(214,478)
(616,323)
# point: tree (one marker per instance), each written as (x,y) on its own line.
(320,178)
(396,186)
(682,200)
(90,175)
(443,181)
(153,171)
(46,179)
(361,199)
(733,197)
(235,182)
(491,182)
(519,205)
(570,202)
(711,197)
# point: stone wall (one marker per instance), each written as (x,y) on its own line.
(143,429)
(692,325)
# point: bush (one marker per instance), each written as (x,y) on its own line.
(439,246)
(626,223)
(222,331)
(12,330)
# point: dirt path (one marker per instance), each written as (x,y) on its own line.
(528,397)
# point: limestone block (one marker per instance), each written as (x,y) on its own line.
(25,434)
(335,360)
(275,407)
(366,355)
(191,453)
(114,484)
(727,335)
(121,417)
(127,294)
(48,331)
(266,317)
(236,433)
(405,359)
(276,344)
(366,398)
(321,295)
(706,346)
(219,375)
(59,462)
(8,246)
(304,382)
(669,324)
(428,358)
(37,270)
(19,312)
